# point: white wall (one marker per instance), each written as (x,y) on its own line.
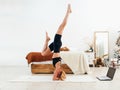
(23,24)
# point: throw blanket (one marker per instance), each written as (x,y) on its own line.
(37,57)
(76,61)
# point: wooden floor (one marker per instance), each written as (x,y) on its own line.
(10,72)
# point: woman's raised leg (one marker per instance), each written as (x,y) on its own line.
(64,22)
(46,50)
(61,27)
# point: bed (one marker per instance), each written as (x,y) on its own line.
(73,62)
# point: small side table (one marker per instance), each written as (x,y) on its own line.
(90,58)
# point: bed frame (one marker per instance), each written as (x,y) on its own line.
(48,69)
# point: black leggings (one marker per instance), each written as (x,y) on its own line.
(56,44)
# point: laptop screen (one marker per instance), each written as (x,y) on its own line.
(111,72)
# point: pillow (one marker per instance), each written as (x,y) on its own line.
(64,49)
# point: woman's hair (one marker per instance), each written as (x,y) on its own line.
(62,75)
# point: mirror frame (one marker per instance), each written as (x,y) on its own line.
(95,41)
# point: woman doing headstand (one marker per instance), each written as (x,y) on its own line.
(55,47)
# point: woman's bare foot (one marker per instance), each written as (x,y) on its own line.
(47,37)
(69,9)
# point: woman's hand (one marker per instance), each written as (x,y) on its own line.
(59,74)
(57,71)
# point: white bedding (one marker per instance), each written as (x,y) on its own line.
(46,62)
(76,61)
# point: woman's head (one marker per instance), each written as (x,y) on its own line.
(61,75)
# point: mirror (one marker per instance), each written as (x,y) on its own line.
(101,43)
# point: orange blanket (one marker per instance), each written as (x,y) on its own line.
(37,57)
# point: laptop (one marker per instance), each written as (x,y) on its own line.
(109,76)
